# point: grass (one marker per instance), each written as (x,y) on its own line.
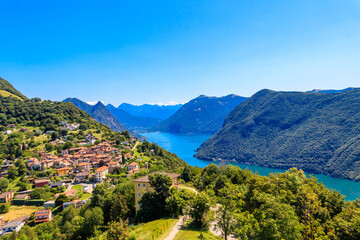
(85,196)
(188,232)
(158,229)
(78,189)
(12,185)
(18,211)
(8,94)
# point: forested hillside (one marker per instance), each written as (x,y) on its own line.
(6,86)
(201,115)
(316,132)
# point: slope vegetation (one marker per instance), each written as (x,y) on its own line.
(9,90)
(317,132)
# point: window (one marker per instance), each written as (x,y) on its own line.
(138,184)
(139,194)
(143,185)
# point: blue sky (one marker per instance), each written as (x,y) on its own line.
(162,51)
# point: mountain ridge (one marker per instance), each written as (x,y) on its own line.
(101,114)
(307,130)
(200,115)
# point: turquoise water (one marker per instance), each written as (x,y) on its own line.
(184,146)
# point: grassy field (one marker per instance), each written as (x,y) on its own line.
(78,189)
(85,196)
(190,233)
(18,211)
(12,185)
(158,229)
(7,94)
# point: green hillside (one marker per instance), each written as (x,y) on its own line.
(316,132)
(6,86)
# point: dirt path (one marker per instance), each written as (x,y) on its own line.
(175,229)
(137,143)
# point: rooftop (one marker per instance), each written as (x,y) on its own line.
(145,179)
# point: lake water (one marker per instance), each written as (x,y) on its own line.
(184,146)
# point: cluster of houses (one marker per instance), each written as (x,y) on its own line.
(81,161)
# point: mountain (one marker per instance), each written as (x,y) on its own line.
(100,113)
(316,132)
(6,90)
(330,90)
(131,121)
(201,115)
(161,112)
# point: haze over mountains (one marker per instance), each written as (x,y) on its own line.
(316,132)
(201,115)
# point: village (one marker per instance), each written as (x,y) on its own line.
(73,174)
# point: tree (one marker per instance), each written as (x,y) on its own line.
(93,220)
(119,209)
(186,174)
(49,147)
(117,231)
(224,215)
(4,208)
(4,184)
(199,209)
(62,198)
(12,172)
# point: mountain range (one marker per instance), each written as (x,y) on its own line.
(100,113)
(201,115)
(133,122)
(161,112)
(316,132)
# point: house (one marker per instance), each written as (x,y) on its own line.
(64,152)
(24,196)
(76,203)
(69,193)
(63,171)
(142,185)
(11,126)
(49,204)
(133,166)
(84,166)
(43,216)
(24,130)
(6,197)
(50,132)
(101,173)
(112,166)
(12,226)
(57,184)
(41,183)
(127,156)
(81,176)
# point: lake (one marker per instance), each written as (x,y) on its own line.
(184,146)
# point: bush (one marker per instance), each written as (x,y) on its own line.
(4,208)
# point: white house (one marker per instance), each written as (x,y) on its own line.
(12,226)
